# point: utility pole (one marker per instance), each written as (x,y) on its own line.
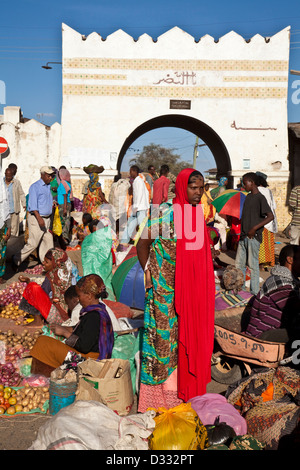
(196,151)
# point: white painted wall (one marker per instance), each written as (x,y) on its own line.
(31,144)
(95,126)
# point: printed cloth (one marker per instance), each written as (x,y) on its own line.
(280,276)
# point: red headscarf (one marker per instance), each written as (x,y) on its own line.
(194,293)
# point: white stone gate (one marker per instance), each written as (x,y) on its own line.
(232,93)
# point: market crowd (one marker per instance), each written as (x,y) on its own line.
(172,223)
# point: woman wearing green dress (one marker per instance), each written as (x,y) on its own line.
(179,304)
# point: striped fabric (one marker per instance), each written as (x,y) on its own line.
(294,203)
(273,310)
(230,299)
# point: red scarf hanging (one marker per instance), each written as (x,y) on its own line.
(194,293)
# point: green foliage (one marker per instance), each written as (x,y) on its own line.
(157,155)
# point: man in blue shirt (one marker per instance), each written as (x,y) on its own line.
(39,211)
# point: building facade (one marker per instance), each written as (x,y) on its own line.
(230,92)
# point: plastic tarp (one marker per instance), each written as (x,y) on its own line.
(96,257)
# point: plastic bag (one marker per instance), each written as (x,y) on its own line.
(219,433)
(178,428)
(211,405)
(126,347)
(36,380)
(96,257)
(57,227)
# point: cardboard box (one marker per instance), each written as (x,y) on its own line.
(107,381)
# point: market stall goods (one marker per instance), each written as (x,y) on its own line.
(12,294)
(23,341)
(23,400)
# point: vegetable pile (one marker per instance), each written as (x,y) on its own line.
(13,312)
(23,400)
(12,294)
(38,269)
(14,347)
(9,375)
(25,339)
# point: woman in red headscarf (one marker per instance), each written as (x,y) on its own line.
(179,305)
(48,298)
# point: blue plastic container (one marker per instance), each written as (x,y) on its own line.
(61,395)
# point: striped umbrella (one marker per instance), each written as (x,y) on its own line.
(230,202)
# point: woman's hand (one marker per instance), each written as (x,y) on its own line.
(61,330)
(7,235)
(24,279)
(148,279)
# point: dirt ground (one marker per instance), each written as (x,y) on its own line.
(19,432)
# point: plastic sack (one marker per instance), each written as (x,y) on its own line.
(126,346)
(36,380)
(211,405)
(178,428)
(96,257)
(57,227)
(89,425)
(219,433)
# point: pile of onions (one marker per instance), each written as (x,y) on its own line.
(38,269)
(15,353)
(12,294)
(9,376)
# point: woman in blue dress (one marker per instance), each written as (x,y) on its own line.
(64,198)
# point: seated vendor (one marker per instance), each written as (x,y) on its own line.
(91,337)
(274,313)
(82,229)
(48,299)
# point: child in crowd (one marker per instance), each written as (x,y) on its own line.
(74,307)
(256,214)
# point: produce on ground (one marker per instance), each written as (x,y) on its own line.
(13,312)
(14,347)
(38,269)
(9,375)
(25,339)
(23,400)
(12,294)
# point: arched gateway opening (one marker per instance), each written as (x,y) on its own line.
(199,128)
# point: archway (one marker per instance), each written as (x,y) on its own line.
(199,128)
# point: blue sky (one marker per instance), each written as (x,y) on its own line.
(30,36)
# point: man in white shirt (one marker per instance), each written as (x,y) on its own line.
(140,204)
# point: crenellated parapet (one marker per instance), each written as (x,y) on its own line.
(230,91)
(176,64)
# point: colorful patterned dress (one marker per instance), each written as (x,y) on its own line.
(159,347)
(3,245)
(92,199)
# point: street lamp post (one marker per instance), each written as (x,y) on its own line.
(47,67)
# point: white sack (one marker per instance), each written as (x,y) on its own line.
(89,425)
